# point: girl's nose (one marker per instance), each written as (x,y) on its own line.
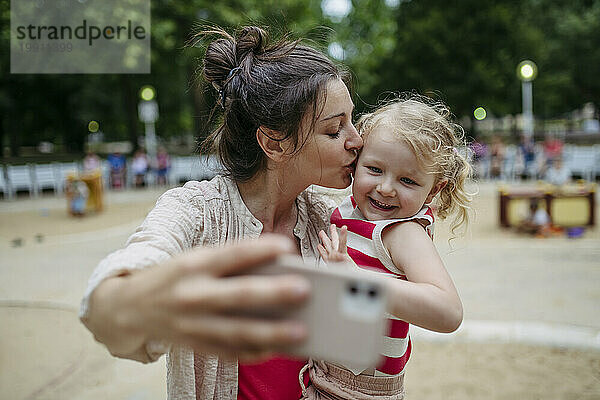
(385,188)
(354,141)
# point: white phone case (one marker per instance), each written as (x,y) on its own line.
(345,313)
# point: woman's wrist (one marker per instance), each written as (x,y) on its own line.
(112,318)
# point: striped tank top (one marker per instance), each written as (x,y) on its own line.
(366,248)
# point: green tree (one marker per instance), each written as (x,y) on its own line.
(466,52)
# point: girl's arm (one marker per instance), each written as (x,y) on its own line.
(428,298)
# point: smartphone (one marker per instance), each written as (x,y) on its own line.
(345,313)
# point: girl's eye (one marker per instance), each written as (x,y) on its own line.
(408,181)
(375,169)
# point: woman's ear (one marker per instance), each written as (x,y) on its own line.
(271,145)
(435,190)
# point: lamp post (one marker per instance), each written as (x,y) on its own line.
(527,71)
(148,113)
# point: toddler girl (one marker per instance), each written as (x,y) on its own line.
(409,159)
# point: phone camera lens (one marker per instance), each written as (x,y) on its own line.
(353,288)
(373,292)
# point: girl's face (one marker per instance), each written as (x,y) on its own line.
(329,154)
(389,183)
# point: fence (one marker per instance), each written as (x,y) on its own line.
(35,178)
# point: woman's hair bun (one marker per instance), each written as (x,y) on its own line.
(251,39)
(226,52)
(219,60)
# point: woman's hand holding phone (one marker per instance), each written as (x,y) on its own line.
(205,298)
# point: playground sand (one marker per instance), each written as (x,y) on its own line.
(47,354)
(500,371)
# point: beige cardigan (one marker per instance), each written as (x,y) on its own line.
(208,213)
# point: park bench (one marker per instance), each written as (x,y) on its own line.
(19,178)
(45,177)
(582,161)
(3,183)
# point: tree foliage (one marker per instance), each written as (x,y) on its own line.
(464,52)
(467,52)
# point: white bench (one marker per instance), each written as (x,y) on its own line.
(581,160)
(199,167)
(209,166)
(181,170)
(45,177)
(20,178)
(4,183)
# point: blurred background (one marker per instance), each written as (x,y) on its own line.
(465,54)
(84,157)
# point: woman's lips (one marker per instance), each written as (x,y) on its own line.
(381,206)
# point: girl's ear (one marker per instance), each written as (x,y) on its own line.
(436,189)
(271,145)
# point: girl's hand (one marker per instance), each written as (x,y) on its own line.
(202,299)
(334,249)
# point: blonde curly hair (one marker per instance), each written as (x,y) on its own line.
(438,144)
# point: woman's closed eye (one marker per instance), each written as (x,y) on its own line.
(337,133)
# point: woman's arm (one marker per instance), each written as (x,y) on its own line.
(429,298)
(192,299)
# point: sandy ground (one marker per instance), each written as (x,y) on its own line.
(531,326)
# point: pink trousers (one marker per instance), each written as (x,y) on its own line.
(330,382)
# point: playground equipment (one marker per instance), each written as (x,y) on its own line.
(568,206)
(92,196)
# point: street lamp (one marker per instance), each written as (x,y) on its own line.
(527,71)
(93,126)
(480,113)
(148,113)
(147,93)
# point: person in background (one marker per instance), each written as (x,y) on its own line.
(139,167)
(558,173)
(91,162)
(527,155)
(537,222)
(480,152)
(118,165)
(496,157)
(553,148)
(163,163)
(77,192)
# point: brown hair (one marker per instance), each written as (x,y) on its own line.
(261,85)
(426,126)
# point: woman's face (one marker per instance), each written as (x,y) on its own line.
(329,154)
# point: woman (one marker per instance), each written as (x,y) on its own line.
(286,125)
